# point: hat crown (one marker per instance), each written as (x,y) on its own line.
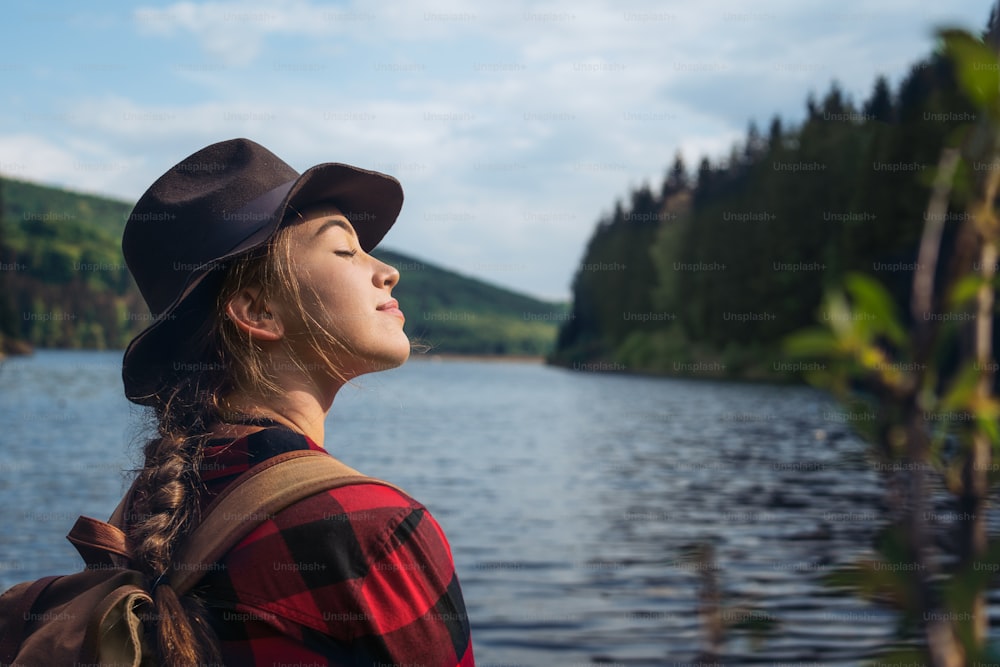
(174,228)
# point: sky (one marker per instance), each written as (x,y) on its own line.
(513,126)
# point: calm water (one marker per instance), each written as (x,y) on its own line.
(570,499)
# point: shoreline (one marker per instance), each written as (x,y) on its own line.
(14,347)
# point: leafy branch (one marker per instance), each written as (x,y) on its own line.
(931,384)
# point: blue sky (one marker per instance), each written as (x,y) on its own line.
(513,126)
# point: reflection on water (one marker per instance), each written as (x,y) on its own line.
(571,499)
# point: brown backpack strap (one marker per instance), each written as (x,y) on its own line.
(256,496)
(97,541)
(103,543)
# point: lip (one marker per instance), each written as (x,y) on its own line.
(392,307)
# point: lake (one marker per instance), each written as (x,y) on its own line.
(572,500)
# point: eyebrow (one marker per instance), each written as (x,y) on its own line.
(335,222)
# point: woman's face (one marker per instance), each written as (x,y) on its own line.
(348,292)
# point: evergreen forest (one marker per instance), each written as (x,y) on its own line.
(705,273)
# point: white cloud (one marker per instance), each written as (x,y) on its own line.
(78,164)
(30,157)
(234,32)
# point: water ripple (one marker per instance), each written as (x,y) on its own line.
(575,502)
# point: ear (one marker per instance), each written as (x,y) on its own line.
(252,316)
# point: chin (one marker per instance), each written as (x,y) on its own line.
(388,363)
(385,359)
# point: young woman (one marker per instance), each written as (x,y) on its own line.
(265,302)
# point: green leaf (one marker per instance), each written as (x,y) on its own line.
(814,343)
(962,391)
(977,68)
(988,424)
(874,307)
(837,312)
(965,290)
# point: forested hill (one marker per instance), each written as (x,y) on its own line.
(64,284)
(706,272)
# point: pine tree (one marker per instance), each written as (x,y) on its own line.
(834,104)
(812,108)
(755,146)
(676,180)
(879,105)
(775,136)
(706,180)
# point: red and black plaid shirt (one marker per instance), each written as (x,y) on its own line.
(358,575)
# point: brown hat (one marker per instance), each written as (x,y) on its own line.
(214,205)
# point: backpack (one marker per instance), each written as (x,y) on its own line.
(94,617)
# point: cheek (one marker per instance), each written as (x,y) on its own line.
(333,296)
(299,315)
(336,310)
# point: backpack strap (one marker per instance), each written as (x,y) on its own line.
(98,542)
(254,497)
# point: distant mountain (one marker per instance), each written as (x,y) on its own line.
(63,283)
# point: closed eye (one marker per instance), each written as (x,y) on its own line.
(345,253)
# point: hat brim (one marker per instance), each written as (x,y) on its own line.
(157,355)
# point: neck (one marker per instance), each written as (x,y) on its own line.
(302,407)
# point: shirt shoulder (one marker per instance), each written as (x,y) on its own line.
(364,565)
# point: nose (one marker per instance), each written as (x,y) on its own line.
(385,275)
